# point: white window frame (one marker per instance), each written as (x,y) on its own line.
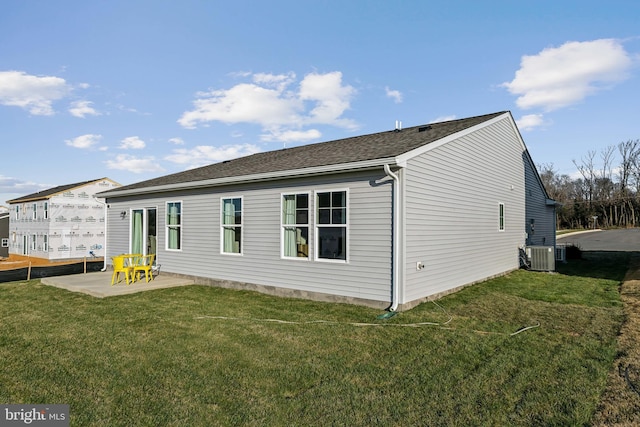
(45,243)
(317,226)
(45,211)
(34,215)
(501,217)
(34,243)
(178,226)
(5,242)
(308,225)
(240,226)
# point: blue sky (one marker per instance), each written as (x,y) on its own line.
(131,90)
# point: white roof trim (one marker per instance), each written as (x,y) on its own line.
(268,176)
(402,159)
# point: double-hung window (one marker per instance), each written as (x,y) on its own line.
(231,225)
(295,225)
(45,243)
(331,225)
(174,225)
(34,242)
(45,212)
(34,215)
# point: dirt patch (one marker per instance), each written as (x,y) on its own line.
(21,261)
(620,403)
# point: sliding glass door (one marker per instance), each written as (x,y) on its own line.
(143,231)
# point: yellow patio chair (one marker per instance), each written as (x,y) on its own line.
(120,265)
(145,263)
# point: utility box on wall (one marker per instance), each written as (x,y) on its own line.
(541,258)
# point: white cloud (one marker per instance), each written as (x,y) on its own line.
(134,164)
(331,98)
(561,76)
(33,93)
(82,109)
(530,122)
(280,81)
(206,154)
(243,103)
(444,118)
(132,143)
(84,141)
(291,136)
(396,95)
(177,141)
(272,102)
(18,186)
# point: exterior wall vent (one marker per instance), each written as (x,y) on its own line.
(541,258)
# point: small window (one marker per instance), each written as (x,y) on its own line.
(331,225)
(174,225)
(34,214)
(295,225)
(45,212)
(45,243)
(5,242)
(231,225)
(501,221)
(34,240)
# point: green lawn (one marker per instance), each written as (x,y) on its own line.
(202,356)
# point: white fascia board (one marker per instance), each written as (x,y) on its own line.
(268,176)
(402,159)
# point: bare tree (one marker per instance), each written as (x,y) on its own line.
(588,172)
(629,151)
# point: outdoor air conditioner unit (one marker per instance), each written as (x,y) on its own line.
(541,258)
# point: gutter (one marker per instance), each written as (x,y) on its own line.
(395,241)
(267,176)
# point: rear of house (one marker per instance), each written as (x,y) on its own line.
(387,220)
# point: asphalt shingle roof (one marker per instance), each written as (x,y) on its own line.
(45,194)
(355,149)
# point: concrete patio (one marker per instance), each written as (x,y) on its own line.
(98,284)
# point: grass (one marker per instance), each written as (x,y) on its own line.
(620,403)
(202,356)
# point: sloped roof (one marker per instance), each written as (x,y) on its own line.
(381,145)
(46,194)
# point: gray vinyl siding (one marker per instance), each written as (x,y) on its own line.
(4,234)
(366,275)
(544,232)
(452,196)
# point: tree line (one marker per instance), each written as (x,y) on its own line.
(601,197)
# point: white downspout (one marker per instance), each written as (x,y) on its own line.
(395,244)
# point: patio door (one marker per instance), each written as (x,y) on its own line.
(143,231)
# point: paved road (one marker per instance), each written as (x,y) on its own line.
(624,240)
